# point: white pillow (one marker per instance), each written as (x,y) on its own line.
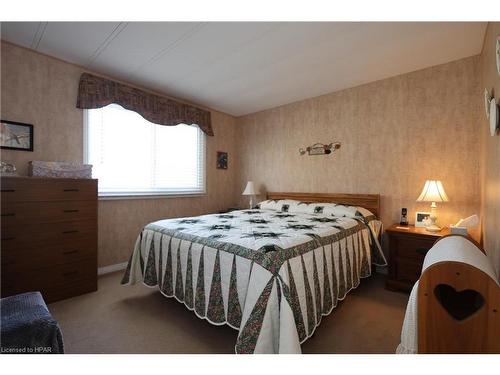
(304,208)
(328,209)
(290,205)
(343,211)
(267,205)
(364,212)
(284,205)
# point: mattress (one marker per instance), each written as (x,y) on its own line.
(270,272)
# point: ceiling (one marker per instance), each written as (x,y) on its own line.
(245,67)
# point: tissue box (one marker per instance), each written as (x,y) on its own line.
(59,169)
(458,230)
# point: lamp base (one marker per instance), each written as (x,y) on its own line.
(433,228)
(252,203)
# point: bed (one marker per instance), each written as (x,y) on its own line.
(270,272)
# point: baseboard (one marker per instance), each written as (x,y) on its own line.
(111,268)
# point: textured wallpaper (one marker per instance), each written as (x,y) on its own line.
(395,134)
(42,91)
(490,157)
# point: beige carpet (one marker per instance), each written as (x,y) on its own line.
(138,319)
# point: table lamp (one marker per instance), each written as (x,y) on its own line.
(250,190)
(433,192)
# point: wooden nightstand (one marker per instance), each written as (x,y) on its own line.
(407,249)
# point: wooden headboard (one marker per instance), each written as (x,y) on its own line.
(369,201)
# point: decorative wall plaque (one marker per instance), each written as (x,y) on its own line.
(320,149)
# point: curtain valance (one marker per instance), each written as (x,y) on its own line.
(97,92)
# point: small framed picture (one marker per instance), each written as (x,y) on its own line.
(221,160)
(421,219)
(16,136)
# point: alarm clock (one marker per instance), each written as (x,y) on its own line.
(404,217)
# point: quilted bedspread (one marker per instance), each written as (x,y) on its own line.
(271,272)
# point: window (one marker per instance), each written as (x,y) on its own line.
(132,156)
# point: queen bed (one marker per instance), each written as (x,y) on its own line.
(270,272)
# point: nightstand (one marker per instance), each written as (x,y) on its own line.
(407,249)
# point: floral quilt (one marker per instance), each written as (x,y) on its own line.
(271,272)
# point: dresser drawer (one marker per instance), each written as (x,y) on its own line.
(26,189)
(56,292)
(43,235)
(55,254)
(48,276)
(25,213)
(413,247)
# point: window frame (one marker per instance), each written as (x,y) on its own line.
(147,194)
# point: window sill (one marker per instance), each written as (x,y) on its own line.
(126,196)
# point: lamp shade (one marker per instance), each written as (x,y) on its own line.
(250,189)
(433,192)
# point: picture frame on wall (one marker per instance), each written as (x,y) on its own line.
(221,160)
(16,136)
(421,219)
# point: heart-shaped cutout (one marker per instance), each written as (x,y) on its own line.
(460,305)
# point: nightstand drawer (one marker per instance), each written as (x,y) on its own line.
(407,249)
(413,247)
(408,271)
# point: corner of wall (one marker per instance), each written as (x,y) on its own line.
(490,152)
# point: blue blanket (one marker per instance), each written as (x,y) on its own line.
(28,327)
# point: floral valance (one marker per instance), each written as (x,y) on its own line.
(97,92)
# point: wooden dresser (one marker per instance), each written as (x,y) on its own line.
(49,236)
(407,249)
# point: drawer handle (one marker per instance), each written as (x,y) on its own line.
(70,231)
(67,211)
(67,252)
(9,214)
(8,238)
(422,250)
(71,189)
(8,190)
(70,273)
